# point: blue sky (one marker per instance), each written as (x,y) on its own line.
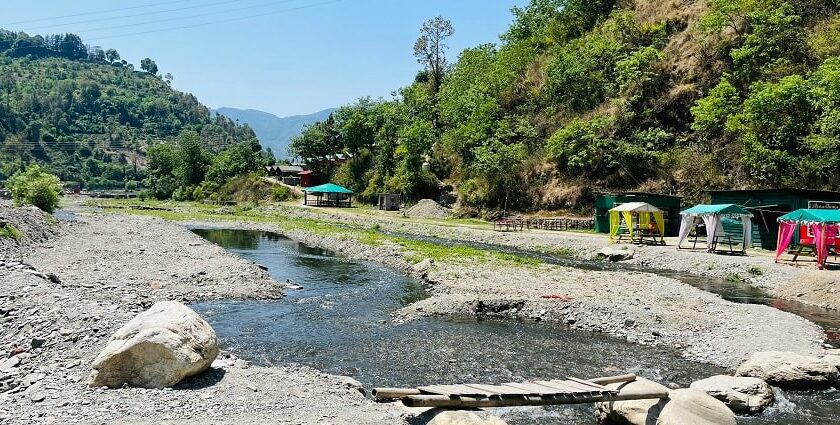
(286,57)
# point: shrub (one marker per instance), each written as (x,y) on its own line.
(37,187)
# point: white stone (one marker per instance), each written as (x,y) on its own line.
(616,254)
(694,407)
(156,349)
(791,370)
(682,407)
(740,394)
(631,411)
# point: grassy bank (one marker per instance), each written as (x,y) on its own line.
(412,250)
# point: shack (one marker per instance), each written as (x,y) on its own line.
(389,201)
(307,178)
(328,195)
(288,174)
(669,204)
(767,205)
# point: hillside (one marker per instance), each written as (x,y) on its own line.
(674,96)
(90,117)
(274,133)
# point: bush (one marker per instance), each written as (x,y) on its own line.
(37,187)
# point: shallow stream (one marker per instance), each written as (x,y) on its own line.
(340,323)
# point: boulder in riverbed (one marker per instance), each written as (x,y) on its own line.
(616,254)
(156,349)
(682,407)
(631,412)
(740,394)
(790,370)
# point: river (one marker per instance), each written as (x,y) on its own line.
(339,322)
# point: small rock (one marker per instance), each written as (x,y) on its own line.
(37,342)
(251,387)
(9,364)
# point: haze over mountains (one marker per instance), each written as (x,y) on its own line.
(274,132)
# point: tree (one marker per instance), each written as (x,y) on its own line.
(430,48)
(149,66)
(111,55)
(36,187)
(168,78)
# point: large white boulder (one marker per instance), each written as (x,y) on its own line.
(740,394)
(790,370)
(456,417)
(631,412)
(682,407)
(694,407)
(156,349)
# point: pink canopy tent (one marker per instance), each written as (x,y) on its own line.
(823,224)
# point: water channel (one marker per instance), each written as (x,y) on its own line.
(340,323)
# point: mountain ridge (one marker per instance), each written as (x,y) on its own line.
(273,131)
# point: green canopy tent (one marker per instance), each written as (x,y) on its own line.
(821,228)
(712,215)
(328,195)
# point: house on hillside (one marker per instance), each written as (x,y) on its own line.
(288,174)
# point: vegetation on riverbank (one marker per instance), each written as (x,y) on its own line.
(674,97)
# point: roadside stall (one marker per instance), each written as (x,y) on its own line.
(818,231)
(711,217)
(639,221)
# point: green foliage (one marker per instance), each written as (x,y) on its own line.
(774,47)
(582,95)
(251,188)
(89,117)
(11,232)
(712,112)
(36,187)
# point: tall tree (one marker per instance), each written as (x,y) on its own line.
(111,55)
(430,48)
(149,66)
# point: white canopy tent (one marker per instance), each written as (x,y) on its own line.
(712,217)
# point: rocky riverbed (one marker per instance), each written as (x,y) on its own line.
(642,307)
(71,292)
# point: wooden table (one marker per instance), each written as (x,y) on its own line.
(723,239)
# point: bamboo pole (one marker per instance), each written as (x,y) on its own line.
(392,393)
(613,379)
(395,393)
(511,401)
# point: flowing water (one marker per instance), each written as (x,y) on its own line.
(340,323)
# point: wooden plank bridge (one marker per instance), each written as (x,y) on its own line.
(531,393)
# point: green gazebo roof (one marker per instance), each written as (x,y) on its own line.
(328,188)
(812,215)
(720,209)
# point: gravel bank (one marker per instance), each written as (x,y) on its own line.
(109,268)
(32,225)
(642,307)
(756,269)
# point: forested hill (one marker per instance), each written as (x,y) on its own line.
(674,96)
(90,116)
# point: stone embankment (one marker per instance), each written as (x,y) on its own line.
(108,268)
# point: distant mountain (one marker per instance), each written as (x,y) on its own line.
(272,131)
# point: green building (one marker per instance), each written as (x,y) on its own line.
(767,205)
(670,206)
